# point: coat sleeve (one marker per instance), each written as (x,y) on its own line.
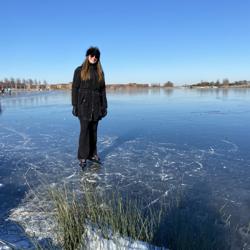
(75,87)
(103,96)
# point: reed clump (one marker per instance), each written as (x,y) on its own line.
(108,212)
(69,216)
(178,221)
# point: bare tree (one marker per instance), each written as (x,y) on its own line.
(217,83)
(24,83)
(168,84)
(18,83)
(6,82)
(45,84)
(12,82)
(225,82)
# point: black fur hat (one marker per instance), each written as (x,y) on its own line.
(93,51)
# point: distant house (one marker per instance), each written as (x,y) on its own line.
(155,85)
(61,86)
(34,87)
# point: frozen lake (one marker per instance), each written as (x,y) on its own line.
(151,143)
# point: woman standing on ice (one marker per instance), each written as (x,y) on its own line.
(89,103)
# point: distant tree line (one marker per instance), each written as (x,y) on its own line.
(167,84)
(18,83)
(225,83)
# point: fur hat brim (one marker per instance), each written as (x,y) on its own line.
(93,51)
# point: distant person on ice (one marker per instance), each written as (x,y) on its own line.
(89,103)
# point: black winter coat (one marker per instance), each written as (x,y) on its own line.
(89,96)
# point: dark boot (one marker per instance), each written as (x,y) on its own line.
(95,158)
(82,163)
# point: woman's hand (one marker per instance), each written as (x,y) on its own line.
(104,112)
(75,111)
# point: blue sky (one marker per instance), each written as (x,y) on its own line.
(140,41)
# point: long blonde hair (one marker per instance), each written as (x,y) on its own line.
(85,73)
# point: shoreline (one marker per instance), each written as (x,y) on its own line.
(132,88)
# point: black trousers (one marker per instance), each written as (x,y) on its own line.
(87,139)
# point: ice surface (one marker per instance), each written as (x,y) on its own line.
(142,158)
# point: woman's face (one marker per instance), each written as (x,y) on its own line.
(92,59)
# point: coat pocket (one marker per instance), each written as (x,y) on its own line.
(82,99)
